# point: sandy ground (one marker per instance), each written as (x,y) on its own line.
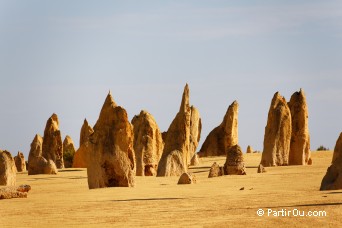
(65,200)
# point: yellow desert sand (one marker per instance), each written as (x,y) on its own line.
(64,200)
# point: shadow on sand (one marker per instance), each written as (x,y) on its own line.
(148,199)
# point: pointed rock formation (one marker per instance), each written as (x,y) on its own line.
(195,160)
(148,144)
(277,133)
(338,148)
(82,154)
(8,171)
(195,131)
(234,163)
(215,170)
(52,143)
(333,178)
(177,141)
(111,160)
(37,164)
(300,138)
(86,131)
(223,136)
(187,178)
(20,162)
(68,151)
(249,149)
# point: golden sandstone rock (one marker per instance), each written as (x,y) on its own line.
(300,138)
(223,136)
(195,131)
(215,170)
(82,154)
(338,148)
(14,192)
(187,178)
(68,151)
(333,178)
(148,144)
(20,162)
(111,160)
(8,171)
(52,143)
(277,136)
(175,157)
(37,164)
(234,162)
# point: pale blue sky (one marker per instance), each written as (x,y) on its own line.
(64,56)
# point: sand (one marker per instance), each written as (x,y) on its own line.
(65,200)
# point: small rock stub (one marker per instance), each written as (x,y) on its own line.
(234,162)
(215,170)
(187,178)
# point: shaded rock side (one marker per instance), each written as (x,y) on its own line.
(249,149)
(111,157)
(195,160)
(338,148)
(82,154)
(195,131)
(261,169)
(215,170)
(8,171)
(37,164)
(223,136)
(148,144)
(68,151)
(177,139)
(52,143)
(300,138)
(20,162)
(187,178)
(333,178)
(277,136)
(234,162)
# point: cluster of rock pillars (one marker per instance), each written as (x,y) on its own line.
(116,150)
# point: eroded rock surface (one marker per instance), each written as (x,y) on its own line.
(111,159)
(148,144)
(224,136)
(277,136)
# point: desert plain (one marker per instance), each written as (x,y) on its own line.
(64,200)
